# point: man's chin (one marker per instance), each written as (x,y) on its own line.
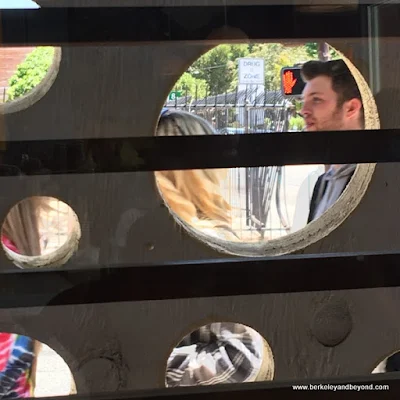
(310,128)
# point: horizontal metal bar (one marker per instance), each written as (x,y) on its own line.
(214,278)
(195,3)
(60,26)
(363,387)
(198,152)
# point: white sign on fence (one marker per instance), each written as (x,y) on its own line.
(251,71)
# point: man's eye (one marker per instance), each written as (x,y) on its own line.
(317,100)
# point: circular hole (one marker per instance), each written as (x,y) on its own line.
(32,369)
(40,231)
(263,210)
(389,364)
(26,75)
(217,353)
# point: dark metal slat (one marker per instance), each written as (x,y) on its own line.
(214,278)
(198,152)
(58,26)
(364,387)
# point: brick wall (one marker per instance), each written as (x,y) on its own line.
(10,57)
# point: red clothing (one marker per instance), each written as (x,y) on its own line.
(6,343)
(9,244)
(16,357)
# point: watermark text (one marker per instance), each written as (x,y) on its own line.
(335,388)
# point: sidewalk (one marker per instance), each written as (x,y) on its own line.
(53,377)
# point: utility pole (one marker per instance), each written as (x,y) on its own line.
(323,55)
(323,51)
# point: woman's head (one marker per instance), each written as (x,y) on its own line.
(182,123)
(193,195)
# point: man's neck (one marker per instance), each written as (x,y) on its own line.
(353,126)
(356,126)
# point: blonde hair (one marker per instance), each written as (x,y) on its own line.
(193,195)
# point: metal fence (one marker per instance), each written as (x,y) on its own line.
(257,195)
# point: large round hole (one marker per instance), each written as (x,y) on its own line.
(26,75)
(30,368)
(264,210)
(40,231)
(388,364)
(217,353)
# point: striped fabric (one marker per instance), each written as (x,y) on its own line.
(16,358)
(214,354)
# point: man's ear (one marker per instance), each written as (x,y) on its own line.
(353,108)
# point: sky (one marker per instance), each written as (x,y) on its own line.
(17,4)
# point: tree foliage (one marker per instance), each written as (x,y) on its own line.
(191,86)
(312,51)
(217,70)
(276,56)
(296,123)
(218,67)
(30,72)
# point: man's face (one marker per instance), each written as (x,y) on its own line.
(320,106)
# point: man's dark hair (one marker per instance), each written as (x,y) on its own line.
(343,82)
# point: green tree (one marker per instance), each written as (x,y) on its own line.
(276,56)
(238,51)
(296,123)
(312,51)
(191,86)
(30,72)
(218,66)
(215,69)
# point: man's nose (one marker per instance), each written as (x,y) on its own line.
(304,111)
